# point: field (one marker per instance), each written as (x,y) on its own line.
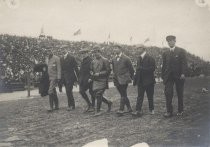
(27,123)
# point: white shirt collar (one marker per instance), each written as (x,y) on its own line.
(143,54)
(172,49)
(119,55)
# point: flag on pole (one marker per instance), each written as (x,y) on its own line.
(146,40)
(131,39)
(78,32)
(109,36)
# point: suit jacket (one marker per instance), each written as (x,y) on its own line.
(69,69)
(54,68)
(101,66)
(84,73)
(123,70)
(145,71)
(174,64)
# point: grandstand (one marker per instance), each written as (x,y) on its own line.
(18,55)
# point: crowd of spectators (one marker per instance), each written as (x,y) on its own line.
(19,54)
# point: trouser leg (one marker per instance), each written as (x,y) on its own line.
(55,99)
(140,98)
(150,96)
(122,99)
(180,91)
(82,91)
(51,101)
(124,92)
(69,93)
(52,92)
(99,97)
(92,94)
(169,95)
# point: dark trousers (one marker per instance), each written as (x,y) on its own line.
(53,99)
(150,93)
(100,98)
(69,93)
(169,94)
(124,98)
(82,91)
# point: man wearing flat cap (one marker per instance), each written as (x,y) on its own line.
(84,79)
(173,73)
(54,72)
(100,71)
(70,71)
(122,75)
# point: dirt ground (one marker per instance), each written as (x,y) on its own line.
(27,123)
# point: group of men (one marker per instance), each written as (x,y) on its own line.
(94,73)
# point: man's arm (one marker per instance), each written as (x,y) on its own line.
(76,70)
(163,65)
(130,67)
(184,62)
(58,68)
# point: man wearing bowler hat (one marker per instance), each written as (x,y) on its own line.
(54,72)
(84,80)
(173,73)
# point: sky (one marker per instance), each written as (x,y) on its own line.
(188,20)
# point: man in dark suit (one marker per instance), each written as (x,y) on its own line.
(84,80)
(100,71)
(70,72)
(173,72)
(145,80)
(122,75)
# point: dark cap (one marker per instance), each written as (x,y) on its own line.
(96,48)
(170,37)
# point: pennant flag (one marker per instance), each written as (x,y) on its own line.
(78,32)
(146,40)
(131,39)
(109,36)
(13,4)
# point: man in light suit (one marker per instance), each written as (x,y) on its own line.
(54,72)
(122,75)
(70,72)
(145,80)
(100,71)
(173,72)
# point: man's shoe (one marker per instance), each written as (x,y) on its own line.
(97,114)
(152,112)
(136,114)
(50,110)
(167,115)
(109,106)
(70,108)
(91,109)
(180,113)
(129,111)
(120,113)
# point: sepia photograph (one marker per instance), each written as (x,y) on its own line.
(104,73)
